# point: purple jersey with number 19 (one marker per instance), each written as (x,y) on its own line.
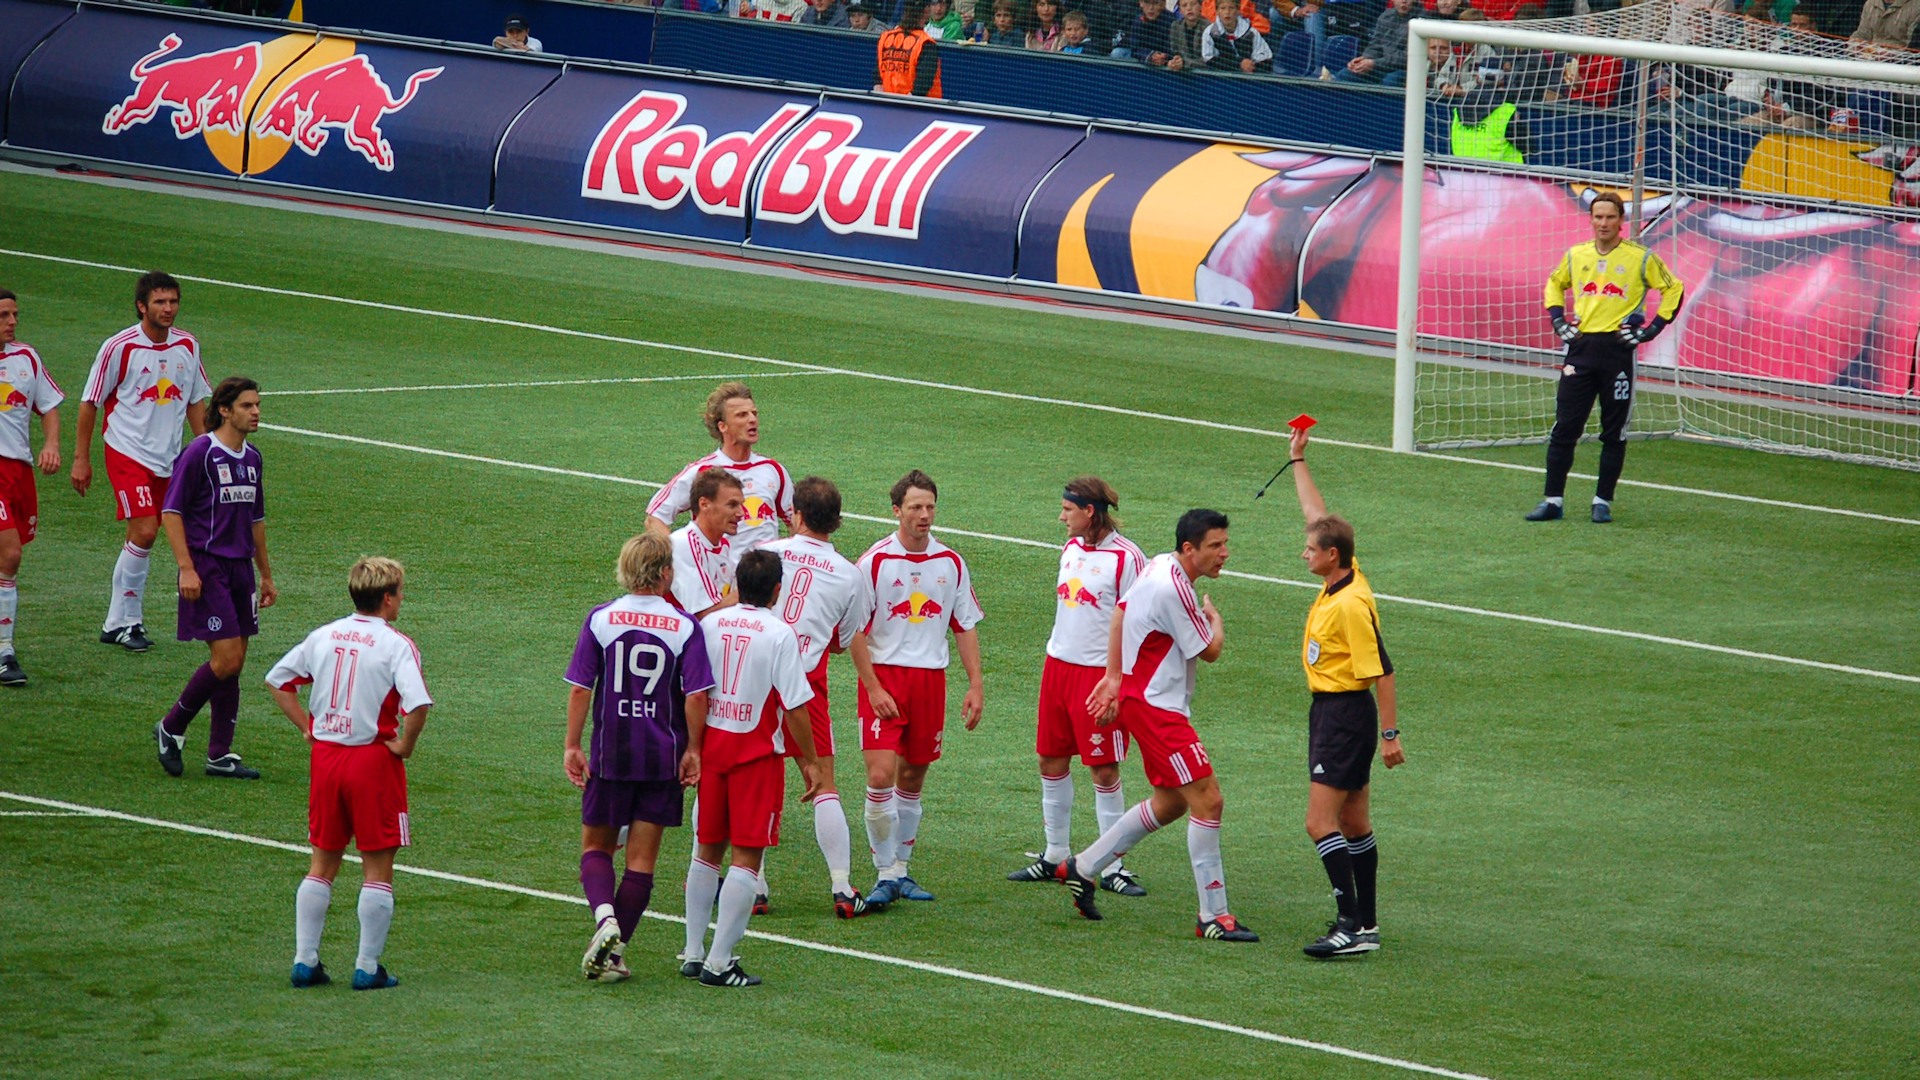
(641,657)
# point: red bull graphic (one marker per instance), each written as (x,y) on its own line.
(204,91)
(11,398)
(346,96)
(1610,289)
(1074,594)
(161,393)
(756,510)
(643,156)
(917,608)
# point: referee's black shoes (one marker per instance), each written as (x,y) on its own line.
(1343,938)
(1546,511)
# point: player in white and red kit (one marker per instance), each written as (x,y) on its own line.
(734,422)
(703,551)
(1152,650)
(362,717)
(1097,567)
(146,381)
(757,708)
(826,602)
(920,588)
(26,390)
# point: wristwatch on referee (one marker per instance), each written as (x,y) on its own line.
(1390,734)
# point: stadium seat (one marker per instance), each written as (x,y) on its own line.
(1339,51)
(1296,55)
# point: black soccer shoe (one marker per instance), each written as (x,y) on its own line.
(690,969)
(1123,882)
(1602,514)
(1341,939)
(228,766)
(131,638)
(733,976)
(1081,887)
(304,976)
(169,749)
(849,905)
(11,673)
(1037,870)
(1546,511)
(1224,928)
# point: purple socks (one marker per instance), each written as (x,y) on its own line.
(199,688)
(636,889)
(596,877)
(223,712)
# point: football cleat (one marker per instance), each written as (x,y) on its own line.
(228,765)
(605,943)
(131,638)
(1341,939)
(1123,882)
(850,905)
(1602,514)
(884,892)
(910,889)
(733,976)
(169,749)
(304,976)
(690,969)
(1369,938)
(1037,870)
(11,673)
(617,969)
(762,904)
(1224,928)
(379,980)
(1081,887)
(1546,511)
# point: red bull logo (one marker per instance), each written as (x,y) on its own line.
(1074,594)
(644,156)
(756,511)
(10,398)
(164,392)
(254,101)
(915,609)
(1591,288)
(1610,289)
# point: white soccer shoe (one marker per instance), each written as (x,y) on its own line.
(605,944)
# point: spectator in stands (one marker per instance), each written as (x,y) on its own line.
(1147,37)
(1593,80)
(1249,10)
(1107,22)
(1184,38)
(1447,10)
(1289,16)
(942,22)
(1231,44)
(1450,74)
(1888,23)
(826,13)
(774,10)
(1005,29)
(1482,60)
(1384,60)
(860,18)
(1500,10)
(1530,75)
(1073,35)
(1045,35)
(515,38)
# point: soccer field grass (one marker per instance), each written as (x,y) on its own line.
(1684,853)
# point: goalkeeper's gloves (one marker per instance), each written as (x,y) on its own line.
(1561,326)
(1636,331)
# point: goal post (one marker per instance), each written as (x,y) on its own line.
(1800,331)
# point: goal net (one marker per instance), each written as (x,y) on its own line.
(1774,170)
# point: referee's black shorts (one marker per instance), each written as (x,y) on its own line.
(1343,731)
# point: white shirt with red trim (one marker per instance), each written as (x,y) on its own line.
(365,676)
(1163,632)
(764,483)
(1092,580)
(916,597)
(26,390)
(757,677)
(702,571)
(143,391)
(823,597)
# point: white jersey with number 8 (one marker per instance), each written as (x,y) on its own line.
(822,596)
(365,676)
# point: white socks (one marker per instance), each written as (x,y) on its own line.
(1056,815)
(881,820)
(376,918)
(736,905)
(1108,805)
(1132,827)
(129,588)
(310,918)
(9,607)
(836,841)
(703,884)
(1556,500)
(1209,878)
(907,808)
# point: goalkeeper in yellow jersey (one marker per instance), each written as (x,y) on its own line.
(1608,279)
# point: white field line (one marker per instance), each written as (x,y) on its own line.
(541,382)
(42,813)
(79,810)
(1536,620)
(720,354)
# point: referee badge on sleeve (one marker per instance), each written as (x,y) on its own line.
(1313,651)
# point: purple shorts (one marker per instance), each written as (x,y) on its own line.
(227,607)
(617,803)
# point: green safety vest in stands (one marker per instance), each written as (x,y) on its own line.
(1487,140)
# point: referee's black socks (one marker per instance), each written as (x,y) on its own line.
(1366,865)
(1339,864)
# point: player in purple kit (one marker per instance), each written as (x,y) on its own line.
(216,521)
(641,669)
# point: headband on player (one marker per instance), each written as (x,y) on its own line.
(1084,502)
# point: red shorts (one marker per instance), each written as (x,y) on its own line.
(19,499)
(741,806)
(817,713)
(1066,727)
(916,733)
(136,491)
(357,793)
(1170,751)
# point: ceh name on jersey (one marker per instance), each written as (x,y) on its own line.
(812,167)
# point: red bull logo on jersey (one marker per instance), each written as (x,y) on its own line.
(917,608)
(643,155)
(11,398)
(756,511)
(1074,594)
(1610,289)
(255,101)
(163,392)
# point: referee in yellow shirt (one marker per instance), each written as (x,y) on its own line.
(1609,279)
(1344,659)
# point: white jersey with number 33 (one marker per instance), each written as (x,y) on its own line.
(822,596)
(365,677)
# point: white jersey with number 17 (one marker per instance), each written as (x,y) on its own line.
(822,596)
(757,677)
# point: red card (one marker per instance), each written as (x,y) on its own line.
(1302,422)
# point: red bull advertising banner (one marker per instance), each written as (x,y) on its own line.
(295,108)
(26,25)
